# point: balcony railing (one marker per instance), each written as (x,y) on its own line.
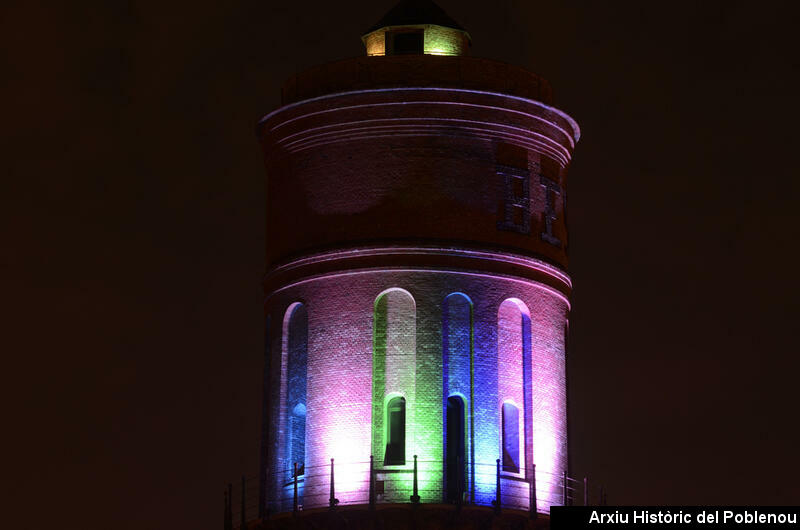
(363,483)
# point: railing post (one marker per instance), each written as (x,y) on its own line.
(227,523)
(333,501)
(459,483)
(263,507)
(565,498)
(415,494)
(244,503)
(532,509)
(496,501)
(230,506)
(586,491)
(294,505)
(471,486)
(371,482)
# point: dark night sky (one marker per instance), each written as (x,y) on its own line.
(132,255)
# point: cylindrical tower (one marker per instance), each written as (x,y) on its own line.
(417,295)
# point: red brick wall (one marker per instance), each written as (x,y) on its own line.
(433,175)
(396,164)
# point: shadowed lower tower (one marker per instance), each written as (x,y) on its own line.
(416,297)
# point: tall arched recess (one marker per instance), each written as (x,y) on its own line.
(457,365)
(295,359)
(393,377)
(514,387)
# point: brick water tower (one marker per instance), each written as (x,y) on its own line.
(417,298)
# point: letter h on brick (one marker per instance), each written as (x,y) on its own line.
(514,207)
(516,215)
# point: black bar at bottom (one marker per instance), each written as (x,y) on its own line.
(673,517)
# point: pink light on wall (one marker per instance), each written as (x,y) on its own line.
(513,331)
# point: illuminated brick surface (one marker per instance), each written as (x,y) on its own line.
(438,40)
(398,206)
(340,385)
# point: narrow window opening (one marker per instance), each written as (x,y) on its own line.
(405,43)
(510,438)
(296,358)
(297,425)
(396,430)
(456,454)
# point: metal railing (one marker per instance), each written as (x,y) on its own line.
(482,484)
(245,509)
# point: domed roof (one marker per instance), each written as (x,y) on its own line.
(415,12)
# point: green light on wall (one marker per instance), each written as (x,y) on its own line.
(443,44)
(437,40)
(445,41)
